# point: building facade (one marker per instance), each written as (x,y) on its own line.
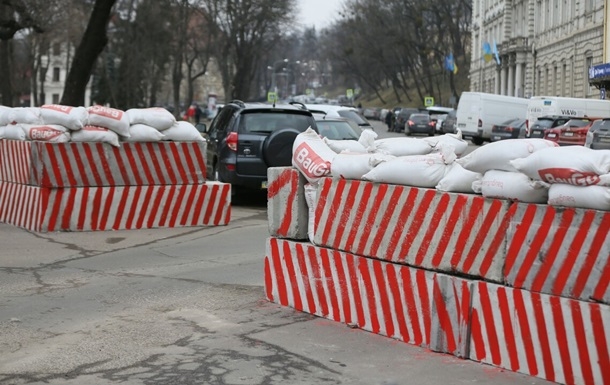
(537,47)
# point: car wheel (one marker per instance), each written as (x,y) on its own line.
(277,149)
(477,140)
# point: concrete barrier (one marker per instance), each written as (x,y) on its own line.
(412,305)
(286,207)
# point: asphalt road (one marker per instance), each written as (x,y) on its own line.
(184,306)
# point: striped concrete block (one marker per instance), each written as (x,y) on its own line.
(557,339)
(420,227)
(560,251)
(113,208)
(99,164)
(287,210)
(411,305)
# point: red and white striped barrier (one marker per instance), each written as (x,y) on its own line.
(286,206)
(76,164)
(560,251)
(557,339)
(113,208)
(420,227)
(412,305)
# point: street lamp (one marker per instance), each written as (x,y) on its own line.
(272,68)
(44,66)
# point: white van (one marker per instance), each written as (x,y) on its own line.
(554,105)
(477,112)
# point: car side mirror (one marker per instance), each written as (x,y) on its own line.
(202,128)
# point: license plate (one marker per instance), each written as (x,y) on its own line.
(497,138)
(568,134)
(462,125)
(264,185)
(604,139)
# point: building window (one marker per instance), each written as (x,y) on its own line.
(589,6)
(588,64)
(564,79)
(56,49)
(55,74)
(555,82)
(55,98)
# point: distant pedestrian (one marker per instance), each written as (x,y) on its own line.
(389,120)
(190,113)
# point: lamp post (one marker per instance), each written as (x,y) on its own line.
(44,66)
(272,68)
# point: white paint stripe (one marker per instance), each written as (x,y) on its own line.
(377,295)
(350,222)
(337,284)
(405,306)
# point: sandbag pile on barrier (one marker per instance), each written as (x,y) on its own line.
(93,183)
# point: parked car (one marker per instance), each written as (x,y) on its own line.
(509,129)
(335,111)
(402,117)
(337,128)
(552,134)
(247,138)
(546,122)
(574,132)
(598,137)
(420,124)
(448,126)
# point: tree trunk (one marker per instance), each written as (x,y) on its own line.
(5,66)
(91,46)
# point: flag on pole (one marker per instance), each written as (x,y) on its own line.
(487,54)
(450,64)
(496,53)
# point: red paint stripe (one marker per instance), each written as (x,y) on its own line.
(543,336)
(518,239)
(399,310)
(408,285)
(108,205)
(56,209)
(448,229)
(199,158)
(384,227)
(168,167)
(276,185)
(82,210)
(483,232)
(573,253)
(131,217)
(419,216)
(287,217)
(221,203)
(156,164)
(289,257)
(425,301)
(55,170)
(95,213)
(524,328)
(561,338)
(175,155)
(592,255)
(372,218)
(91,162)
(476,336)
(510,342)
(121,163)
(180,204)
(384,297)
(580,335)
(190,162)
(145,167)
(443,317)
(157,204)
(553,251)
(23,207)
(404,215)
(465,305)
(268,280)
(79,162)
(324,188)
(601,342)
(129,149)
(317,281)
(336,202)
(67,165)
(498,240)
(354,283)
(348,211)
(210,205)
(106,168)
(197,194)
(330,284)
(305,273)
(490,325)
(433,225)
(342,286)
(363,268)
(121,208)
(599,293)
(279,272)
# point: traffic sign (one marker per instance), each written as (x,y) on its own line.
(349,93)
(271,97)
(602,93)
(428,101)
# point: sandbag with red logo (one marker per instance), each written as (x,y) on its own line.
(157,117)
(513,186)
(586,197)
(73,118)
(311,156)
(53,133)
(143,133)
(111,118)
(27,115)
(497,155)
(575,165)
(91,133)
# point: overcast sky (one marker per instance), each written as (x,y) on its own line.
(318,12)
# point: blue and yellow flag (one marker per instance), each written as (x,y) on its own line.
(450,64)
(487,54)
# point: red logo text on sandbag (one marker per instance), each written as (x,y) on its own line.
(58,108)
(568,176)
(310,163)
(94,128)
(107,112)
(44,133)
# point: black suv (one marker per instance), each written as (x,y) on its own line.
(402,117)
(245,139)
(545,122)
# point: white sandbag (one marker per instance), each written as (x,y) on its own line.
(143,133)
(27,115)
(311,156)
(111,118)
(458,179)
(5,118)
(576,165)
(91,133)
(353,165)
(157,117)
(2,129)
(13,132)
(513,186)
(183,131)
(455,140)
(73,118)
(587,197)
(53,133)
(402,146)
(344,145)
(311,198)
(367,140)
(497,155)
(412,170)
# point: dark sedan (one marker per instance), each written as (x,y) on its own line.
(598,137)
(420,124)
(510,129)
(545,122)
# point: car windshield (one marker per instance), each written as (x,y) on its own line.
(352,115)
(544,123)
(419,118)
(267,122)
(337,130)
(577,123)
